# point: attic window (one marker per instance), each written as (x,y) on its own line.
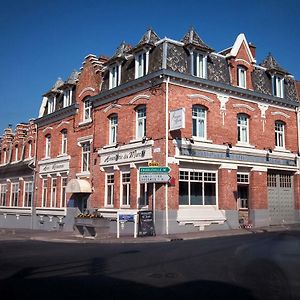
(199,64)
(141,64)
(277,85)
(67,97)
(51,104)
(114,76)
(241,77)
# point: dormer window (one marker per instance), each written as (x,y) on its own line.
(114,76)
(199,64)
(87,110)
(241,77)
(51,104)
(67,97)
(16,152)
(277,84)
(141,64)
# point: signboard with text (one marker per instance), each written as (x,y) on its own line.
(177,119)
(154,174)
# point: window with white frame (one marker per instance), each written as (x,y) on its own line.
(86,153)
(3,195)
(14,194)
(199,121)
(199,64)
(64,182)
(113,129)
(67,97)
(64,141)
(243,128)
(241,77)
(278,86)
(114,76)
(87,110)
(30,149)
(141,121)
(141,64)
(279,134)
(16,153)
(28,193)
(51,104)
(126,189)
(110,182)
(48,146)
(45,192)
(4,155)
(243,178)
(53,192)
(197,187)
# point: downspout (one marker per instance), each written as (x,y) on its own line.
(298,132)
(35,184)
(167,152)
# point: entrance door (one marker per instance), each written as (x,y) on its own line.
(242,204)
(281,198)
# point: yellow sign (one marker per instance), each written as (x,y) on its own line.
(153,164)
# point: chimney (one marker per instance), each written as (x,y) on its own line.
(252,49)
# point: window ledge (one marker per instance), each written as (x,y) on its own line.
(85,122)
(197,139)
(83,174)
(278,149)
(110,146)
(245,145)
(108,206)
(135,140)
(125,206)
(62,155)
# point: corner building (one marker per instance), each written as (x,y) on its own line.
(226,126)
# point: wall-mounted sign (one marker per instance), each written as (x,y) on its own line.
(177,119)
(128,155)
(54,166)
(153,164)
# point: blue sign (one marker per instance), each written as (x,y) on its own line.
(126,217)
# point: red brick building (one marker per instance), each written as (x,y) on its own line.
(224,125)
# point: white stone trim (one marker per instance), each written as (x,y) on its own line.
(87,89)
(47,128)
(111,106)
(199,96)
(242,105)
(279,113)
(136,98)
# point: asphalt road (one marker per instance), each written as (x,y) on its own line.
(258,266)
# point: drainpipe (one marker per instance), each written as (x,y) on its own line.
(33,211)
(167,152)
(298,131)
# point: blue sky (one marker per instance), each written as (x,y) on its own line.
(43,40)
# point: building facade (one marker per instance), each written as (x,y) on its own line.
(226,126)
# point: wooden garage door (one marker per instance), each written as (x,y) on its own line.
(281,198)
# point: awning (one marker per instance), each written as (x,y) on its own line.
(78,186)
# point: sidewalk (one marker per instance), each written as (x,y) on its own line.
(70,237)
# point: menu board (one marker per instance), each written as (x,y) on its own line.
(146,224)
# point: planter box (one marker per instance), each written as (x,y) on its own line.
(92,226)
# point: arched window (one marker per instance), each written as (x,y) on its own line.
(48,146)
(279,134)
(141,121)
(113,129)
(243,128)
(199,121)
(64,141)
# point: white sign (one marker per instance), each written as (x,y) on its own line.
(121,156)
(177,119)
(160,177)
(58,166)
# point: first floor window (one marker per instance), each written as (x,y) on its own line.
(125,188)
(3,195)
(14,194)
(113,131)
(141,121)
(279,134)
(146,191)
(28,194)
(197,188)
(53,192)
(110,181)
(45,192)
(64,182)
(243,128)
(86,152)
(199,121)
